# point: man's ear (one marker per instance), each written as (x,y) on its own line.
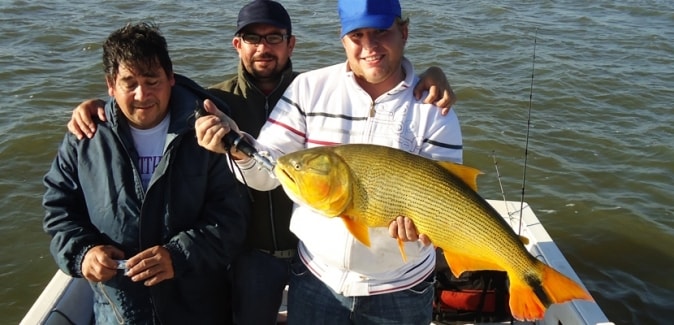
(172,79)
(111,86)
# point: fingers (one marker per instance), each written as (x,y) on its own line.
(81,124)
(432,95)
(210,132)
(403,228)
(151,266)
(425,240)
(75,129)
(99,263)
(410,230)
(419,89)
(212,108)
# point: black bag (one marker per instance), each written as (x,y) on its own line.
(480,296)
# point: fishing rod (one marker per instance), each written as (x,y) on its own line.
(526,144)
(234,140)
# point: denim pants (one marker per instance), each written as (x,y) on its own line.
(310,301)
(258,280)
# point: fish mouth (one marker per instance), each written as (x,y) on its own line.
(284,174)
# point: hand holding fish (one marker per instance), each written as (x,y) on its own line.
(403,229)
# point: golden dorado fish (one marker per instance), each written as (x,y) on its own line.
(369,186)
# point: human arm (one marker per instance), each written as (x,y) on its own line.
(76,243)
(81,123)
(440,92)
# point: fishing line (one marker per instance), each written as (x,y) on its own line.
(526,145)
(500,184)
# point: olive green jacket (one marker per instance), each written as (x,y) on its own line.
(271,210)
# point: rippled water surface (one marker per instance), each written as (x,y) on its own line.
(600,174)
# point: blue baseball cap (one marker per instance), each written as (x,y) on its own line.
(379,14)
(263,12)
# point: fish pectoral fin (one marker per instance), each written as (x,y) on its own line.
(401,246)
(467,174)
(358,230)
(460,263)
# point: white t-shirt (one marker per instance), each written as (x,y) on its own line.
(150,146)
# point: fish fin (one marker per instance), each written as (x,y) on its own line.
(467,174)
(459,263)
(524,303)
(530,296)
(401,246)
(524,240)
(561,288)
(358,230)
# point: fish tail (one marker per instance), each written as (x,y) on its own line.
(524,302)
(559,288)
(531,295)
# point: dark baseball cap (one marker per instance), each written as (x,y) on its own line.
(263,12)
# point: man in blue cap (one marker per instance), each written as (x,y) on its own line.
(367,99)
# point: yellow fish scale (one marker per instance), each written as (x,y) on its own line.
(371,185)
(422,190)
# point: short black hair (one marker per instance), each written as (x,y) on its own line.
(140,46)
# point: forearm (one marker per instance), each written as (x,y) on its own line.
(250,172)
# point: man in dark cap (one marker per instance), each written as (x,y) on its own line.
(264,42)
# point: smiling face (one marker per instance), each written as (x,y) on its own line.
(264,61)
(142,94)
(375,55)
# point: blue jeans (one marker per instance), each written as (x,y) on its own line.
(310,301)
(258,280)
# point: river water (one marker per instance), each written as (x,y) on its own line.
(599,164)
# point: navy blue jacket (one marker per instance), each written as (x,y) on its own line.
(193,206)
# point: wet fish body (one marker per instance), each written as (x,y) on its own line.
(369,185)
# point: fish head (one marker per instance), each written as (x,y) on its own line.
(317,178)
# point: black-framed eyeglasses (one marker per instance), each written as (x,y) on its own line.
(270,38)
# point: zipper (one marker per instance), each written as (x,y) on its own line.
(271,220)
(372,110)
(113,306)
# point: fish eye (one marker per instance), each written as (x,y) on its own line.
(297,166)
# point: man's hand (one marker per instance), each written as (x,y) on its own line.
(99,263)
(152,266)
(212,128)
(81,124)
(403,228)
(440,93)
